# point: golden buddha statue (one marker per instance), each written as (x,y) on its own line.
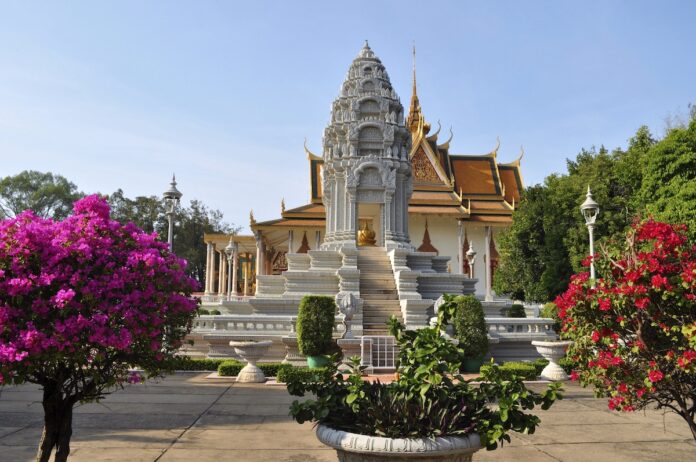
(366,236)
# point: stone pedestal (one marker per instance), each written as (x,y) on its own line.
(349,347)
(552,351)
(292,352)
(251,352)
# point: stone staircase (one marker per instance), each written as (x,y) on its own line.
(377,290)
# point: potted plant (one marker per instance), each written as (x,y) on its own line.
(315,324)
(469,329)
(430,413)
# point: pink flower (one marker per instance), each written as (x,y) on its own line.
(63,297)
(655,376)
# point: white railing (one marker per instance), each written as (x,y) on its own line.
(259,324)
(217,298)
(502,327)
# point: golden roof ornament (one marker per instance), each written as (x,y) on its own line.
(252,220)
(282,205)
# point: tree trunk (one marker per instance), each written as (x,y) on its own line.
(57,426)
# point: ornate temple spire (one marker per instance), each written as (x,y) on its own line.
(415,116)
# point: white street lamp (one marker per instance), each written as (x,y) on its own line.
(229,251)
(471,258)
(590,210)
(172,197)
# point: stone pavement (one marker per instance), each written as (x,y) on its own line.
(187,417)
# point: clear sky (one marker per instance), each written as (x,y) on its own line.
(122,94)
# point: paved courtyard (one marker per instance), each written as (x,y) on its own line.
(187,417)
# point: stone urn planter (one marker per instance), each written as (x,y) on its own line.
(352,447)
(251,352)
(552,350)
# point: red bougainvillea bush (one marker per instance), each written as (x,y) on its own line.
(635,332)
(81,301)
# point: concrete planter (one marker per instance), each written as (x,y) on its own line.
(352,447)
(251,352)
(553,351)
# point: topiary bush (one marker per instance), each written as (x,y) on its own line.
(525,371)
(231,368)
(315,323)
(186,363)
(288,373)
(470,326)
(516,311)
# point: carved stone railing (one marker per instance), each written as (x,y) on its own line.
(520,328)
(256,324)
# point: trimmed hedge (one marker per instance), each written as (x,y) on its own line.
(215,312)
(516,311)
(201,311)
(303,374)
(470,326)
(231,368)
(315,323)
(527,371)
(540,364)
(186,363)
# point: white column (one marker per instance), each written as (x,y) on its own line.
(489,283)
(208,270)
(221,273)
(290,241)
(235,268)
(460,253)
(259,254)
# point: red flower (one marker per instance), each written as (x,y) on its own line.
(655,376)
(658,281)
(640,392)
(622,388)
(642,303)
(595,336)
(574,376)
(604,304)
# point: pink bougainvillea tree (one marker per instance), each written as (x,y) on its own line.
(82,302)
(635,329)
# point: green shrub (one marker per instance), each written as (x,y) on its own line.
(288,373)
(202,311)
(516,311)
(215,312)
(525,371)
(470,326)
(315,323)
(186,363)
(567,364)
(550,311)
(231,368)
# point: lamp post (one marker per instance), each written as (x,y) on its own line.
(471,258)
(229,251)
(590,210)
(172,197)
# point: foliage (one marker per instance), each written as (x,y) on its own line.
(231,368)
(214,312)
(288,373)
(81,300)
(202,311)
(469,325)
(516,311)
(429,399)
(315,324)
(525,371)
(669,178)
(46,194)
(634,333)
(185,363)
(540,364)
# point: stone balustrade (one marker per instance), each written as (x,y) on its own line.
(520,328)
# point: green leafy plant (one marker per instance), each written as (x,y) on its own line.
(429,399)
(202,311)
(469,324)
(288,373)
(315,323)
(525,371)
(516,311)
(215,312)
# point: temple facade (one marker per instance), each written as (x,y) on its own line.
(383,180)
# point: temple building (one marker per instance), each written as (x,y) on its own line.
(386,180)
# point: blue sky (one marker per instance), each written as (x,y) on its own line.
(122,94)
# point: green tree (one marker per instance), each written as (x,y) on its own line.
(669,178)
(48,195)
(147,212)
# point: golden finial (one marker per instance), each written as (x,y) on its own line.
(519,159)
(433,137)
(497,145)
(446,144)
(310,154)
(282,205)
(252,220)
